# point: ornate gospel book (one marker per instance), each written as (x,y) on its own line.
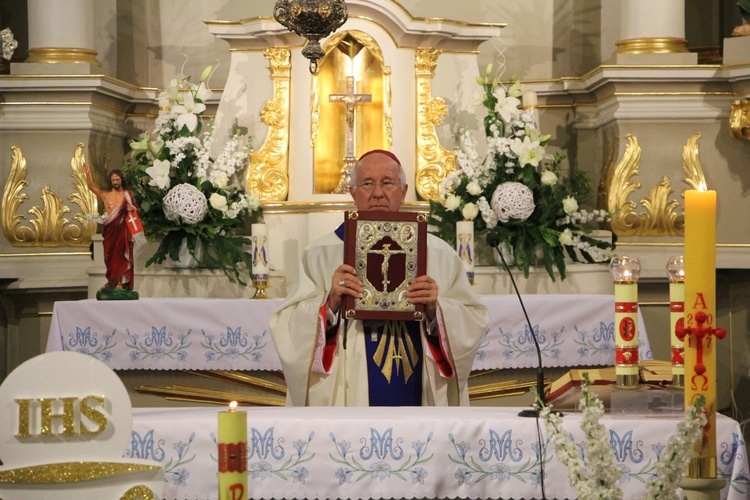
(387,250)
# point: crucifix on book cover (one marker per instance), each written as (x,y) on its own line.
(387,250)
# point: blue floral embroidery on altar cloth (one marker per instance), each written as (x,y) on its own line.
(499,458)
(381,457)
(740,482)
(265,452)
(147,448)
(600,340)
(521,343)
(233,344)
(86,342)
(158,344)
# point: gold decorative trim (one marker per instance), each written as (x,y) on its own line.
(387,106)
(739,119)
(140,492)
(314,109)
(434,162)
(660,218)
(49,228)
(664,45)
(268,175)
(71,472)
(62,55)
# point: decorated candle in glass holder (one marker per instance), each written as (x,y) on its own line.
(625,272)
(232,441)
(676,273)
(465,246)
(259,237)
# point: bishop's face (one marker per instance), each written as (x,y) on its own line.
(116,182)
(378,187)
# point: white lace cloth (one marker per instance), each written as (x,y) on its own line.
(362,453)
(232,334)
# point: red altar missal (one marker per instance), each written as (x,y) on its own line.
(387,250)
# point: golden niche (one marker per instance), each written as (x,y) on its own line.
(356,56)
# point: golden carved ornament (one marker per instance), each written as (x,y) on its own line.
(387,105)
(739,119)
(49,228)
(268,175)
(660,217)
(434,162)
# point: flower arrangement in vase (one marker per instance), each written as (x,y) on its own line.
(186,197)
(517,191)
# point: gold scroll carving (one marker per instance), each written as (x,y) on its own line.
(739,119)
(660,217)
(433,161)
(49,227)
(268,175)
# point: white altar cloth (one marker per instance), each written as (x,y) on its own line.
(232,334)
(361,453)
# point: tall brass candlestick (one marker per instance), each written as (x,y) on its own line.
(625,272)
(676,273)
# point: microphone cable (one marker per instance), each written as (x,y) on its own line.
(494,241)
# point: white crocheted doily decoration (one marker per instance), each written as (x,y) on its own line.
(512,199)
(186,202)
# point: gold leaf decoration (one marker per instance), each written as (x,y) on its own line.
(49,227)
(691,163)
(739,119)
(269,165)
(434,162)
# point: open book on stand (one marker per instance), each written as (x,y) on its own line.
(565,392)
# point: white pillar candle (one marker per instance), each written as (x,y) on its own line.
(259,236)
(465,246)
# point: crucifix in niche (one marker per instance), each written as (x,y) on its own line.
(351,99)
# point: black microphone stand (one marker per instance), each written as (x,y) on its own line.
(494,241)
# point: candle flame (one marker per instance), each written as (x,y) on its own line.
(702,186)
(233,406)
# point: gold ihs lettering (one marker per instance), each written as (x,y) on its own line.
(94,415)
(24,418)
(68,417)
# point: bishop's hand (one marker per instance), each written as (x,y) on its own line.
(343,282)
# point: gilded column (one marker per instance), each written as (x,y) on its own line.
(62,32)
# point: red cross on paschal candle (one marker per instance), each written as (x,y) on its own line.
(700,332)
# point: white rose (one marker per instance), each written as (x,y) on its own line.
(253,202)
(474,188)
(220,180)
(570,205)
(566,237)
(470,211)
(549,178)
(453,202)
(218,201)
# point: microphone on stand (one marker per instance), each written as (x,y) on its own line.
(493,240)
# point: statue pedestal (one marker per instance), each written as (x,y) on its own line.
(736,50)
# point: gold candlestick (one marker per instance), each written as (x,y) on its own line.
(260,287)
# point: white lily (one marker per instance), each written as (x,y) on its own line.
(528,152)
(506,106)
(188,112)
(203,93)
(159,174)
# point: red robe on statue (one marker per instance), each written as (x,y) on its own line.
(118,246)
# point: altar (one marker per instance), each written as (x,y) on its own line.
(362,453)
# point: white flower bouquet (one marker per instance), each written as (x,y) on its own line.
(185,195)
(518,191)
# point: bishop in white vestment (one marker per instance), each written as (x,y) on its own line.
(327,359)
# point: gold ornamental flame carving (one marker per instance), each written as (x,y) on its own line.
(268,175)
(49,227)
(739,119)
(660,217)
(434,162)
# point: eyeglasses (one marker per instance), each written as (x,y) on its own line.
(386,185)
